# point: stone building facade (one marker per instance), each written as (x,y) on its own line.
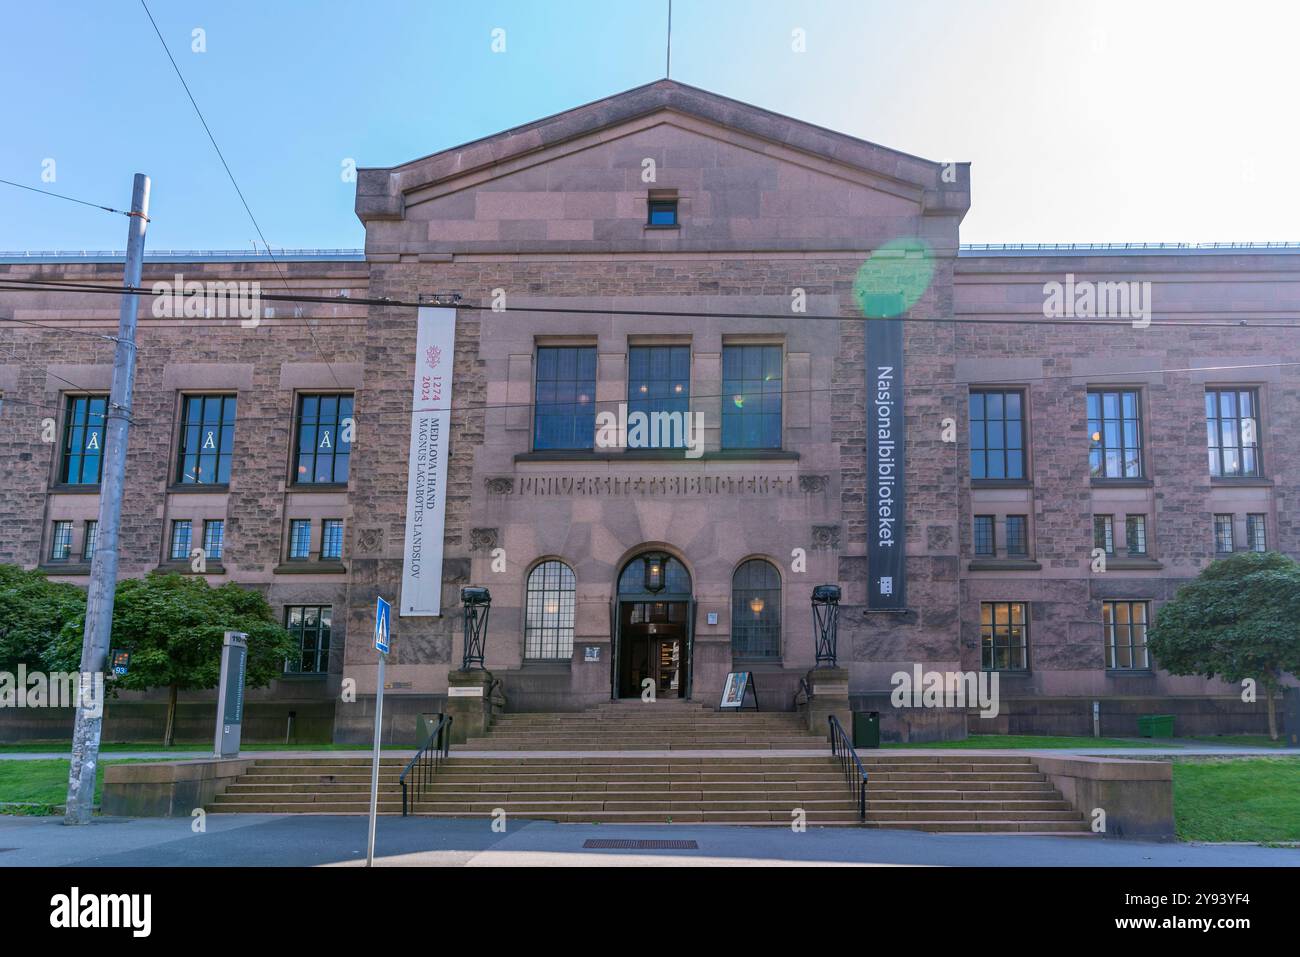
(668,249)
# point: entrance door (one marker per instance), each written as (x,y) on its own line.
(652,646)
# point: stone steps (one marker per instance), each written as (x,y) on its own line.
(952,793)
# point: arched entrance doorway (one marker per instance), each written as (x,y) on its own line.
(654,628)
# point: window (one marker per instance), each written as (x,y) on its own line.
(751,397)
(1135,534)
(1115,428)
(1223,534)
(658,381)
(1256,536)
(549,612)
(984,543)
(565,401)
(88,542)
(1017,536)
(1103,533)
(1124,624)
(661,212)
(299,539)
(207,439)
(756,610)
(1004,635)
(1231,426)
(214,538)
(310,627)
(331,539)
(61,542)
(324,430)
(83,440)
(181,538)
(997,444)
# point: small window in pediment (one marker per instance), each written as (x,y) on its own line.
(661,209)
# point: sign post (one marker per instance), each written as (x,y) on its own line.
(230,694)
(383,618)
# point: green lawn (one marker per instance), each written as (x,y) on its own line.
(990,741)
(1242,740)
(38,782)
(28,747)
(1237,799)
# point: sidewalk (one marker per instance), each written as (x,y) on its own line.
(256,840)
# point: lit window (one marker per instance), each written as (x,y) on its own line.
(565,398)
(1004,636)
(1115,431)
(756,610)
(659,381)
(549,612)
(1124,625)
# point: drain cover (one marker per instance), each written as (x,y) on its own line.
(604,843)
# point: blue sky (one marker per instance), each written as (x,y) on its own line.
(1085,120)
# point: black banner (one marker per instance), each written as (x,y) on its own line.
(886,475)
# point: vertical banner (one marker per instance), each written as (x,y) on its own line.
(886,485)
(426,482)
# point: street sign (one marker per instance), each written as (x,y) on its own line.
(383,618)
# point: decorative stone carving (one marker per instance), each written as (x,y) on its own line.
(825,536)
(501,485)
(482,539)
(813,483)
(370,541)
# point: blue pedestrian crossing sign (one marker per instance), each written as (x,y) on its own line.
(383,618)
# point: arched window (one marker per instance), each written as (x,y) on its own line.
(756,610)
(548,614)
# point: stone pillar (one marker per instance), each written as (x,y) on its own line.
(830,696)
(470,704)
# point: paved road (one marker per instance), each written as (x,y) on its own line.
(303,840)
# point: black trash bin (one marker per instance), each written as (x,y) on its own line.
(866,729)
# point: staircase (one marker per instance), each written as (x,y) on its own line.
(661,725)
(946,792)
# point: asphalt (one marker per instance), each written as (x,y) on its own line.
(265,840)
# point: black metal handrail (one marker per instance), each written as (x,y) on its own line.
(854,772)
(426,761)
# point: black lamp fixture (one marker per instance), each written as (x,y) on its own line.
(654,572)
(826,620)
(477,602)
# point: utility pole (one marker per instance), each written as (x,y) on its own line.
(103,564)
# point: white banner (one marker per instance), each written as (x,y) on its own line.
(426,483)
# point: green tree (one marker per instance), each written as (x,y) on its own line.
(1239,619)
(174,625)
(33,613)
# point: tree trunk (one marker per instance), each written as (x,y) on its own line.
(169,736)
(1271,705)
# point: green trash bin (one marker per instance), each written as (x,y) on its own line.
(866,729)
(1156,725)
